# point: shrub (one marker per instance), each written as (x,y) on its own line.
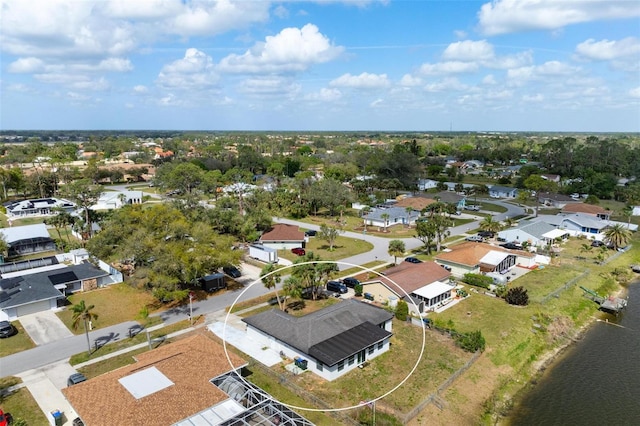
(358,290)
(478,280)
(402,310)
(517,296)
(471,342)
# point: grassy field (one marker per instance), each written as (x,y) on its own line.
(16,343)
(113,304)
(343,247)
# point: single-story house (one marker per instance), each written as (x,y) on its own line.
(115,199)
(396,216)
(558,201)
(588,209)
(333,340)
(37,207)
(534,233)
(417,203)
(27,239)
(27,291)
(583,224)
(192,381)
(449,197)
(283,237)
(502,192)
(426,184)
(551,178)
(475,258)
(424,284)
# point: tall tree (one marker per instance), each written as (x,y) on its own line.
(617,236)
(271,278)
(396,248)
(426,233)
(385,217)
(329,234)
(85,194)
(83,314)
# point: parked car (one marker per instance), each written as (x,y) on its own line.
(472,207)
(336,286)
(486,234)
(597,243)
(7,329)
(412,260)
(511,246)
(299,251)
(447,267)
(76,378)
(232,271)
(5,418)
(310,232)
(476,238)
(351,282)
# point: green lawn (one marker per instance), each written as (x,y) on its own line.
(114,304)
(22,405)
(343,247)
(16,343)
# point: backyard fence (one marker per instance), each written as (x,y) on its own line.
(567,285)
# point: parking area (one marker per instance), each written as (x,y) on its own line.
(44,327)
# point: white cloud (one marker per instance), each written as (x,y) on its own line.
(362,81)
(139,89)
(410,81)
(538,97)
(450,67)
(635,92)
(292,49)
(605,50)
(201,17)
(509,16)
(270,87)
(445,84)
(378,103)
(324,95)
(469,51)
(550,69)
(489,80)
(195,71)
(26,65)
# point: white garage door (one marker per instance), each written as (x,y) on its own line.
(32,308)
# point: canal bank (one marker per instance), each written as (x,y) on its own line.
(596,380)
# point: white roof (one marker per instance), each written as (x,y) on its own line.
(556,233)
(432,290)
(494,257)
(17,233)
(145,382)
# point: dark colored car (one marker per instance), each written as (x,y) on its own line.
(511,246)
(76,378)
(412,260)
(486,234)
(351,282)
(299,251)
(232,271)
(337,286)
(310,232)
(597,243)
(7,329)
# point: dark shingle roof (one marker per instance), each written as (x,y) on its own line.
(348,343)
(313,329)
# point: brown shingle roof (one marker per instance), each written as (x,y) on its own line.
(283,232)
(189,363)
(470,253)
(584,208)
(412,276)
(416,203)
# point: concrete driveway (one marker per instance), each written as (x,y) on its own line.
(44,327)
(45,385)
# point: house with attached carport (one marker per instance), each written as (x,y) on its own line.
(583,224)
(332,341)
(533,233)
(476,258)
(29,290)
(422,285)
(27,239)
(283,237)
(502,192)
(110,200)
(587,209)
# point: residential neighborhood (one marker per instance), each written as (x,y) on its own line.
(197,296)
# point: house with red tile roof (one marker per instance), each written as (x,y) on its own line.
(422,285)
(191,381)
(283,237)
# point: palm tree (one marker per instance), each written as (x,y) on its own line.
(396,248)
(385,217)
(617,236)
(83,314)
(408,210)
(365,211)
(488,224)
(271,281)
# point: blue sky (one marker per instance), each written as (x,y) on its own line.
(501,65)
